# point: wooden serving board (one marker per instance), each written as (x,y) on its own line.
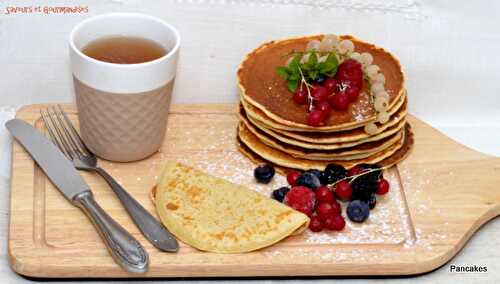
(440,195)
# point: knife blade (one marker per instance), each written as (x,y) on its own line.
(123,247)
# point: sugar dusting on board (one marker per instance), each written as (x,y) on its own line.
(216,153)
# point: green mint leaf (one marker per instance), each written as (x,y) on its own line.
(313,74)
(305,67)
(322,67)
(292,85)
(329,66)
(283,72)
(295,65)
(294,76)
(313,59)
(332,60)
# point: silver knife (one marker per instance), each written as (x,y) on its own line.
(123,247)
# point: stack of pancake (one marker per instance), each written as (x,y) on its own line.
(273,128)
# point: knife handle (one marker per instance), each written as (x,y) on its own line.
(123,247)
(152,229)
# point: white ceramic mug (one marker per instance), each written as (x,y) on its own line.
(123,108)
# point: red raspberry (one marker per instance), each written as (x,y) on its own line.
(343,190)
(315,225)
(382,186)
(304,208)
(339,101)
(337,224)
(324,195)
(301,199)
(350,70)
(325,210)
(331,85)
(315,118)
(292,177)
(300,96)
(346,83)
(354,171)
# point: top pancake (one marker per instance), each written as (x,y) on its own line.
(263,88)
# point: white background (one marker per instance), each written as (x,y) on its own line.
(448,49)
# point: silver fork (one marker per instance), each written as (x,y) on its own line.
(65,136)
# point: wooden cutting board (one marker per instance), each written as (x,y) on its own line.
(439,197)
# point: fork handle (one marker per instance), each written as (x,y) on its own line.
(153,230)
(122,246)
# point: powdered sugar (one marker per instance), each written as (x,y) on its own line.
(212,148)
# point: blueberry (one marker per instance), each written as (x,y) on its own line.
(333,173)
(264,173)
(320,79)
(315,172)
(372,201)
(358,211)
(279,194)
(309,179)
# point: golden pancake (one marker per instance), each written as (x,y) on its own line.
(397,123)
(258,115)
(261,87)
(285,160)
(340,137)
(392,160)
(353,153)
(212,214)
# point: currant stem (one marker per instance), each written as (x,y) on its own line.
(304,81)
(358,175)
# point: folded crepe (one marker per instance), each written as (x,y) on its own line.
(212,214)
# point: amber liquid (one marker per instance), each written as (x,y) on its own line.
(124,50)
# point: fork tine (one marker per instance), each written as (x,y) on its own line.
(61,137)
(52,135)
(74,132)
(64,129)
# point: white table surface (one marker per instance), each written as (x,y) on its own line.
(448,50)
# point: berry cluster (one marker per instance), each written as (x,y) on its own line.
(316,78)
(335,92)
(317,194)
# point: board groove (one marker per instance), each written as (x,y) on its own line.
(50,238)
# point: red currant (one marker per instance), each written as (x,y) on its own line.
(328,223)
(352,93)
(324,210)
(292,177)
(315,225)
(325,107)
(354,171)
(324,195)
(319,93)
(336,208)
(315,118)
(337,224)
(382,186)
(339,101)
(343,190)
(331,84)
(300,96)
